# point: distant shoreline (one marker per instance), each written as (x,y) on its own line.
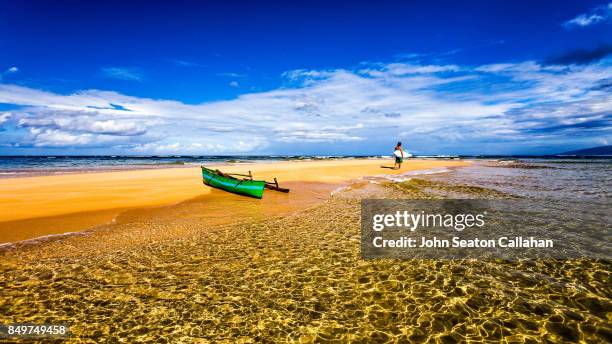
(28,166)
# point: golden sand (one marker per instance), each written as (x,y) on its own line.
(43,205)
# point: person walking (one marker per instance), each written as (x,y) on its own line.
(399,156)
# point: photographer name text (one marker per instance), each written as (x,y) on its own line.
(457,242)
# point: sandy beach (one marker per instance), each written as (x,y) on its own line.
(44,205)
(185,264)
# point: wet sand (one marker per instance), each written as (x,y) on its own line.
(48,205)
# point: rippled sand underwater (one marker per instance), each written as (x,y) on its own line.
(300,278)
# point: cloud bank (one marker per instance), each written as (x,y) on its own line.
(433,108)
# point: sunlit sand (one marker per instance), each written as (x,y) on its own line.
(38,206)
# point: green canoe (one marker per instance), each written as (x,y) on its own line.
(219,180)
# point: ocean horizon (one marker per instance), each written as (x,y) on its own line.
(25,165)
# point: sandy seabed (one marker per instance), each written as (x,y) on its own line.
(166,277)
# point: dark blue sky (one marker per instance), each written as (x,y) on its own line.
(61,45)
(200,52)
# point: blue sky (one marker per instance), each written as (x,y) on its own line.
(249,77)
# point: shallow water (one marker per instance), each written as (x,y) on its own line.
(300,277)
(571,179)
(214,208)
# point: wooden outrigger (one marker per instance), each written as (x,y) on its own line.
(269,185)
(244,186)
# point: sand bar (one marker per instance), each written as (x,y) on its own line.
(72,202)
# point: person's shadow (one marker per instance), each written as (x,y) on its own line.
(393,168)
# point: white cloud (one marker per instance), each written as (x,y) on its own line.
(115,127)
(517,102)
(79,122)
(183,63)
(243,145)
(303,73)
(58,138)
(234,83)
(232,75)
(4,116)
(10,70)
(122,73)
(158,148)
(300,132)
(585,20)
(398,69)
(596,15)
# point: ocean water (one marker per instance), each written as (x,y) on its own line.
(11,166)
(15,166)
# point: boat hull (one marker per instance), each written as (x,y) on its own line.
(251,188)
